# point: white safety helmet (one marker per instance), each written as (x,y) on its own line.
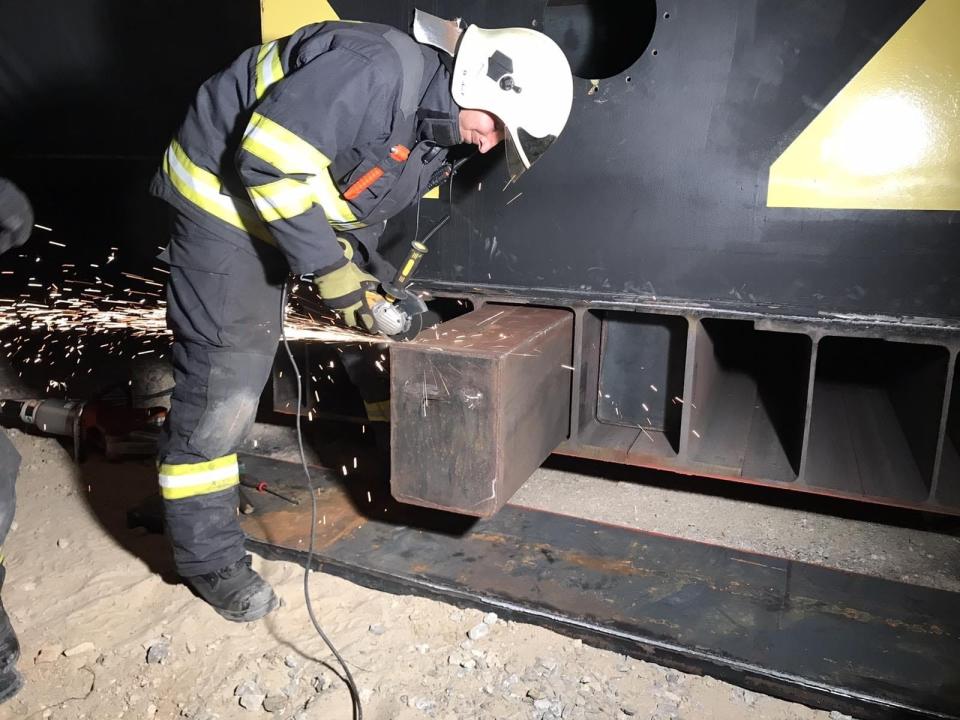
(519,75)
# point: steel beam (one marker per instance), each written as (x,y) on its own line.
(477,405)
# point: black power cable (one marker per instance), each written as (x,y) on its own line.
(351,684)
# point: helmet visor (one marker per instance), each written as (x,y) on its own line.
(523,150)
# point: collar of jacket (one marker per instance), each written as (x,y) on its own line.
(438,118)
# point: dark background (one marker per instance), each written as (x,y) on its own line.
(91,91)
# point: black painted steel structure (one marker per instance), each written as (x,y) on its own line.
(803,347)
(806,347)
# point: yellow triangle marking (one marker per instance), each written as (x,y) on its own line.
(279,18)
(890,139)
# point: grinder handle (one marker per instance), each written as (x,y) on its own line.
(410,264)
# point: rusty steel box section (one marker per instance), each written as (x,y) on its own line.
(477,405)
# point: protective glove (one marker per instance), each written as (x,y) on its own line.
(350,291)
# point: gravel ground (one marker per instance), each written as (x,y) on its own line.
(108,633)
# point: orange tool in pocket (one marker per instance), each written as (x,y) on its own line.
(398,153)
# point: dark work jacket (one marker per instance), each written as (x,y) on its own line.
(272,143)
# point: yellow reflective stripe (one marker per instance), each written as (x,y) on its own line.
(328,195)
(269,70)
(202,488)
(281,200)
(200,467)
(281,148)
(292,155)
(202,188)
(192,479)
(377,411)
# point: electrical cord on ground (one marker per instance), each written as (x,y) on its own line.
(351,684)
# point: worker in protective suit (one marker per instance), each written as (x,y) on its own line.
(290,161)
(16,224)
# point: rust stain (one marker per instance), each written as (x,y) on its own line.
(613,566)
(810,605)
(291,528)
(495,538)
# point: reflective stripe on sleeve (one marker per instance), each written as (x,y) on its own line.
(192,479)
(281,200)
(268,70)
(292,155)
(202,188)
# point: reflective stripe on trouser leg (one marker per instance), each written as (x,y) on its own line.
(179,481)
(213,407)
(223,306)
(200,507)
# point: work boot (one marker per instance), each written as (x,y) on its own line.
(237,592)
(10,680)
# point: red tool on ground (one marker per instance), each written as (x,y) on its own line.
(262,487)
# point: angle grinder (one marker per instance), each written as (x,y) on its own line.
(400,316)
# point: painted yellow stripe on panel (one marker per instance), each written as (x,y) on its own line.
(279,18)
(889,139)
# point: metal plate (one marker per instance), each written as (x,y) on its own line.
(866,646)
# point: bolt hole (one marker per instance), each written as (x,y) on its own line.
(628,78)
(654,52)
(666,16)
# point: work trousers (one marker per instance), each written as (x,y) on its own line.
(224,308)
